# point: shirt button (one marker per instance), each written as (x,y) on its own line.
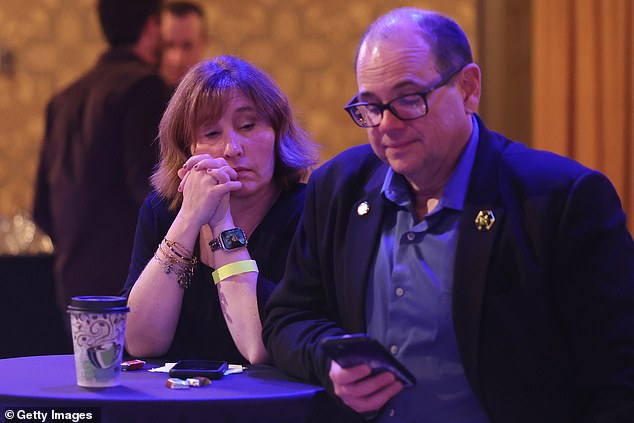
(399,292)
(391,412)
(411,236)
(394,349)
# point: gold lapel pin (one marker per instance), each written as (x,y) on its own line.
(484,220)
(363,208)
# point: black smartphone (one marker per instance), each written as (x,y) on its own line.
(356,349)
(191,368)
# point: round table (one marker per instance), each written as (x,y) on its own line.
(258,394)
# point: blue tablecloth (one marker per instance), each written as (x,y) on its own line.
(259,394)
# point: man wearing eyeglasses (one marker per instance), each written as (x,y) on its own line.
(501,277)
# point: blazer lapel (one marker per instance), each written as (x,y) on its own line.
(473,252)
(362,239)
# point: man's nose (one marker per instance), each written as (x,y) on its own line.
(173,55)
(390,121)
(178,55)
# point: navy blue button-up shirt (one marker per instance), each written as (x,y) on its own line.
(409,299)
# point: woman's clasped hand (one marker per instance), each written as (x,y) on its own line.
(205,184)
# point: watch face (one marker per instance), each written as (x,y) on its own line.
(233,238)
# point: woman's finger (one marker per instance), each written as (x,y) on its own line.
(183,180)
(204,161)
(193,160)
(220,176)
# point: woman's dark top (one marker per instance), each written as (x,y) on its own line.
(202,332)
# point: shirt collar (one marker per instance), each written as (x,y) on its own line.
(396,189)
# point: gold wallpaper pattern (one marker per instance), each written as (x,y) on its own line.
(307,46)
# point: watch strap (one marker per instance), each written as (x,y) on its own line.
(215,244)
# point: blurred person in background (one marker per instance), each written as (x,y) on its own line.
(98,153)
(185,38)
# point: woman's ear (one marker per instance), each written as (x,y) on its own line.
(470,84)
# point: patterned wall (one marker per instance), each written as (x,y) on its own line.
(307,46)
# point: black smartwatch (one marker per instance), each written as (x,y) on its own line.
(229,240)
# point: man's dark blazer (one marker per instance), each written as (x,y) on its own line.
(98,152)
(543,302)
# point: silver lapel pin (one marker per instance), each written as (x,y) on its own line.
(363,208)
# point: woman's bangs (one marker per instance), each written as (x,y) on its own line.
(210,106)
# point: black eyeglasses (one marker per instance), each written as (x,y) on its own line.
(406,107)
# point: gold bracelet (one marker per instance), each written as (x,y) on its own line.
(184,254)
(234,268)
(184,268)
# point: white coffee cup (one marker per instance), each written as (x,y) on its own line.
(98,329)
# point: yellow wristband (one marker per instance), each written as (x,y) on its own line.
(234,268)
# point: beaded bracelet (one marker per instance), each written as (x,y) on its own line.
(184,265)
(233,269)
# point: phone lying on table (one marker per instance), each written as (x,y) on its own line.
(353,350)
(210,369)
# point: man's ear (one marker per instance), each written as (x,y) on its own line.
(148,46)
(469,81)
(152,24)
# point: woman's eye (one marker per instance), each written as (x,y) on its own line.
(247,126)
(212,134)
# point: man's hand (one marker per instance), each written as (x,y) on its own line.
(360,391)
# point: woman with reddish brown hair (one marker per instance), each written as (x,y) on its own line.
(212,239)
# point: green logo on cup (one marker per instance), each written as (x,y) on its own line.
(105,355)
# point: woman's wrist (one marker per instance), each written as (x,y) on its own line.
(222,225)
(183,230)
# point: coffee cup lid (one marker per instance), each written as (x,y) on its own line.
(96,303)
